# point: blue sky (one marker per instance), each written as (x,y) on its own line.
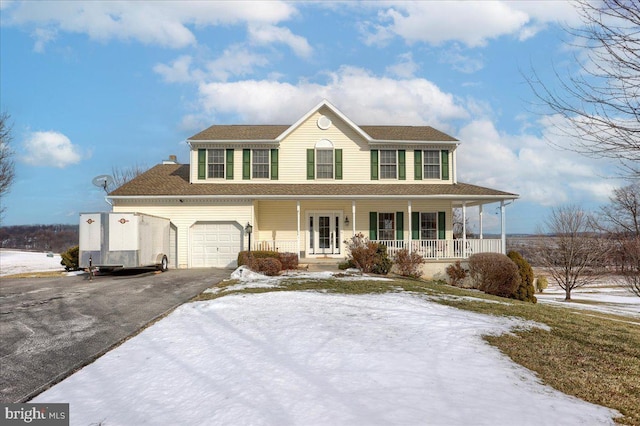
(95,85)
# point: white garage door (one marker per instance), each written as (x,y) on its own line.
(215,244)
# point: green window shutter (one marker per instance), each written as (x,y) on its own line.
(415,225)
(399,225)
(402,164)
(311,164)
(274,164)
(229,166)
(338,160)
(202,164)
(417,161)
(445,165)
(374,164)
(246,164)
(373,225)
(441,225)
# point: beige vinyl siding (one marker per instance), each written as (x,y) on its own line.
(184,215)
(292,155)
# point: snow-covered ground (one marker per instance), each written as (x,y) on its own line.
(18,262)
(603,297)
(309,358)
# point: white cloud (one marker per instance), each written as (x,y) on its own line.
(42,37)
(364,97)
(460,62)
(405,67)
(528,165)
(160,23)
(269,34)
(179,71)
(471,23)
(50,149)
(235,61)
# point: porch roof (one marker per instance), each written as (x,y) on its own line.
(172,181)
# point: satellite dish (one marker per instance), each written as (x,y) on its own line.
(102,181)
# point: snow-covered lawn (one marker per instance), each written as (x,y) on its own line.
(18,262)
(605,297)
(310,358)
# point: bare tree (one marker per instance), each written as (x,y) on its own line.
(600,104)
(458,225)
(622,214)
(573,255)
(7,166)
(621,219)
(122,175)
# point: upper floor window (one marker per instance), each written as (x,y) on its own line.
(388,164)
(260,164)
(324,163)
(215,163)
(431,164)
(324,159)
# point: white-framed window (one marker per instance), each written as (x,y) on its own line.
(260,163)
(431,160)
(429,226)
(388,164)
(324,163)
(386,226)
(215,163)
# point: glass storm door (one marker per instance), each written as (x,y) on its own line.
(324,233)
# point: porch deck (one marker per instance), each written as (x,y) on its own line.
(429,249)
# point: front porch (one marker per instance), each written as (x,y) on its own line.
(429,249)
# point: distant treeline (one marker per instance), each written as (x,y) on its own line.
(55,238)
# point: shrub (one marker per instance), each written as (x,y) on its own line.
(456,273)
(382,264)
(347,264)
(494,273)
(288,260)
(70,258)
(368,256)
(541,284)
(362,252)
(525,291)
(245,257)
(408,264)
(266,265)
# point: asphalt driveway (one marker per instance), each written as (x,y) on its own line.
(50,327)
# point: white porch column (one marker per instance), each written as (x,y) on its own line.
(410,224)
(454,166)
(480,214)
(298,229)
(464,229)
(353,216)
(503,235)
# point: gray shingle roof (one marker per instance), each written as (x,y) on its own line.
(270,132)
(173,180)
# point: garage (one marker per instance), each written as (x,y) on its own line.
(215,244)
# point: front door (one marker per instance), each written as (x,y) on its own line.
(324,233)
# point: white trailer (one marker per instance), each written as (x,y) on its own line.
(124,240)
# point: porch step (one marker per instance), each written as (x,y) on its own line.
(320,264)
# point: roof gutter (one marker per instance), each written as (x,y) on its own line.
(308,197)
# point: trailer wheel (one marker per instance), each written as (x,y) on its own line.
(164,265)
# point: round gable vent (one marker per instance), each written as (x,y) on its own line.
(324,122)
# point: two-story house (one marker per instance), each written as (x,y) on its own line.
(307,187)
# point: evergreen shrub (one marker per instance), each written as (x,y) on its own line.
(70,258)
(525,291)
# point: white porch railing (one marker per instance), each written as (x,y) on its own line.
(429,249)
(283,246)
(444,249)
